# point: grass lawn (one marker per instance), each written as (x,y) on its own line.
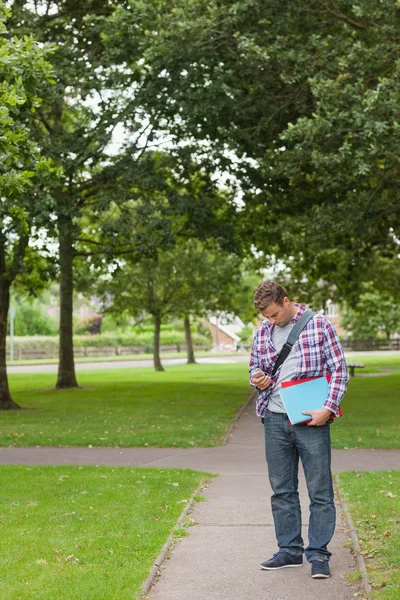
(376,362)
(124,357)
(374,503)
(85,533)
(185,406)
(371,411)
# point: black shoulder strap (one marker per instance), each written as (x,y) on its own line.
(293,336)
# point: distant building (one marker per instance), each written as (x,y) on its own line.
(224,332)
(332,312)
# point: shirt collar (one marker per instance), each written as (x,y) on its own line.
(300,309)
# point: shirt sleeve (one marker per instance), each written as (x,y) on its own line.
(255,356)
(337,367)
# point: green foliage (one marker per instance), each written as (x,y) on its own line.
(193,278)
(24,74)
(246,335)
(305,99)
(23,70)
(48,345)
(375,312)
(31,319)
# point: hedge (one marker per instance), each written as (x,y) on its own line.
(47,346)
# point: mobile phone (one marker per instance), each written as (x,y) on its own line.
(257,373)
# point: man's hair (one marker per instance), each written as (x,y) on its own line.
(267,293)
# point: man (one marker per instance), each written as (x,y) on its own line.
(316,353)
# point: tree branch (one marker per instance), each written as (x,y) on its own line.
(341,16)
(18,256)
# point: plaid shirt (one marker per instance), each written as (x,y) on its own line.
(318,351)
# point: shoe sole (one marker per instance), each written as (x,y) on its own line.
(320,576)
(277,568)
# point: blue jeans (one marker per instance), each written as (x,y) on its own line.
(284,444)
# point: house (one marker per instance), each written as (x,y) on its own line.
(224,333)
(332,312)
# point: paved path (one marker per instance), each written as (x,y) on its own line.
(234,528)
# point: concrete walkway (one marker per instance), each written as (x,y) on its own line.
(233,530)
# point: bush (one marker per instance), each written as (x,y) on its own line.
(47,346)
(31,319)
(26,345)
(246,335)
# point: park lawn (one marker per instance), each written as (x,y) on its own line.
(185,406)
(371,410)
(86,532)
(122,358)
(373,499)
(376,362)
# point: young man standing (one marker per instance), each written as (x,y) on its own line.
(316,353)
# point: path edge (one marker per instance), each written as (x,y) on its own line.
(169,544)
(252,396)
(356,543)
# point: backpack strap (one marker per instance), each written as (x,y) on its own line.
(292,338)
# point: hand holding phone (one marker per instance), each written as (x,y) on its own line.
(260,379)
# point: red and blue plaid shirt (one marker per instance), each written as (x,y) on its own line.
(318,351)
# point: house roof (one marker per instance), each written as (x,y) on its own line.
(225,329)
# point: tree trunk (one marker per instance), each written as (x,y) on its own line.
(6,402)
(189,342)
(156,345)
(66,367)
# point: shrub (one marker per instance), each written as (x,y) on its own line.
(31,319)
(48,345)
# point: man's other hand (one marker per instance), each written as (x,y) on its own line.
(261,381)
(319,416)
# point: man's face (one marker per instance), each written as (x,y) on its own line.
(277,314)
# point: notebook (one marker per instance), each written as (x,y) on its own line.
(304,394)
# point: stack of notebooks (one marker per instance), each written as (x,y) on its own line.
(304,394)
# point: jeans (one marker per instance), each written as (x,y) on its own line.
(284,444)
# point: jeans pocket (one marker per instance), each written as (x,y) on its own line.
(267,416)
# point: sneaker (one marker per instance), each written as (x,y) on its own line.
(320,569)
(281,560)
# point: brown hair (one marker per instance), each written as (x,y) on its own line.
(267,293)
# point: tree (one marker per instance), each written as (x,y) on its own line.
(376,311)
(305,95)
(24,172)
(75,128)
(181,282)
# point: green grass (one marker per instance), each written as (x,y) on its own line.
(376,363)
(85,532)
(185,406)
(122,358)
(371,411)
(373,500)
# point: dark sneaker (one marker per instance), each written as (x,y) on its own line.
(281,560)
(320,569)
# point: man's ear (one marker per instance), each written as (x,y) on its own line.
(286,301)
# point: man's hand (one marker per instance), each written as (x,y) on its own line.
(261,381)
(319,417)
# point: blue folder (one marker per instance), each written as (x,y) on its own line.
(308,395)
